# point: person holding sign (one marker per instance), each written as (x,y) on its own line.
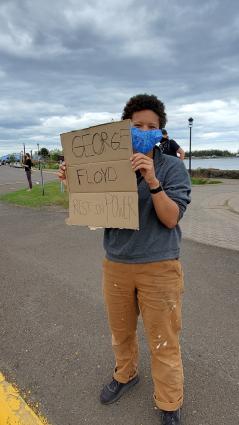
(142,272)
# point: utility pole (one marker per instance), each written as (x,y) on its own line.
(38,157)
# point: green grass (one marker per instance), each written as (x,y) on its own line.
(48,167)
(197,180)
(34,198)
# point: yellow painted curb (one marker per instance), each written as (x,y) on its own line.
(13,409)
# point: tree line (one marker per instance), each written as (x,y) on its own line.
(211,152)
(56,155)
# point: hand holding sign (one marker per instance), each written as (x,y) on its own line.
(62,172)
(145,165)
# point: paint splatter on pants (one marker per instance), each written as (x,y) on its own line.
(154,290)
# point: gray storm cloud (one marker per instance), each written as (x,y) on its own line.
(73,63)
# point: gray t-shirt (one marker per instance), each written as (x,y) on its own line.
(153,241)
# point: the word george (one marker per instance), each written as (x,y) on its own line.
(95,144)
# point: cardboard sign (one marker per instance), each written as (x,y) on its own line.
(101,182)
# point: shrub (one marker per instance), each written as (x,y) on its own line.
(213,172)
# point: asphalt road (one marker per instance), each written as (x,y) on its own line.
(55,340)
(12,179)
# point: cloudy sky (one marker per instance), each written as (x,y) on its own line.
(70,64)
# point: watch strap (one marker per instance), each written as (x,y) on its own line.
(157,190)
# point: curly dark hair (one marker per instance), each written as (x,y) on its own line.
(145,101)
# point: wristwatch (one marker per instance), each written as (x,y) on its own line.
(157,190)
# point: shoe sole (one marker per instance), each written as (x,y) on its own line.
(122,391)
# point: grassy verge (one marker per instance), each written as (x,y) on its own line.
(34,198)
(197,180)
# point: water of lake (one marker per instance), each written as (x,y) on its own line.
(220,163)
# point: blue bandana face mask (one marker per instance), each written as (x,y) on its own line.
(144,141)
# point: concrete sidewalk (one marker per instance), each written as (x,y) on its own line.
(213,216)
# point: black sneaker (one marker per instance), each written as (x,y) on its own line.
(113,391)
(171,418)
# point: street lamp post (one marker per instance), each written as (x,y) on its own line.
(38,156)
(190,123)
(24,149)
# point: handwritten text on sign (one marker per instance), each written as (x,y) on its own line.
(106,142)
(88,145)
(104,209)
(102,177)
(101,181)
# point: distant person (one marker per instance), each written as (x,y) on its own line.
(28,165)
(170,147)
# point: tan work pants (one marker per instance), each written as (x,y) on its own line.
(155,289)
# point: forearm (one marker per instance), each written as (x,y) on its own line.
(166,209)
